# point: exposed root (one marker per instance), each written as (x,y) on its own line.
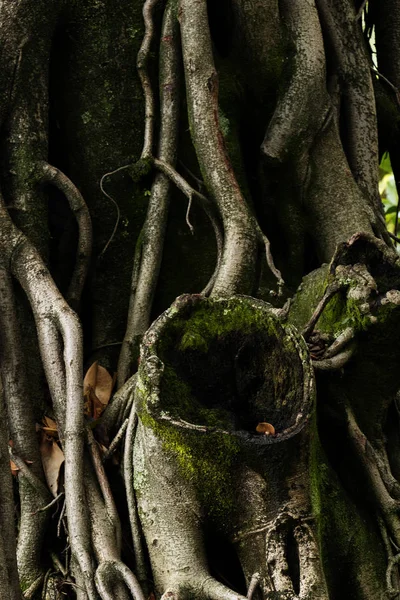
(137,538)
(304,105)
(9,579)
(109,174)
(149,252)
(254,581)
(387,506)
(20,418)
(106,575)
(55,321)
(330,291)
(236,273)
(356,86)
(49,174)
(105,487)
(142,63)
(116,441)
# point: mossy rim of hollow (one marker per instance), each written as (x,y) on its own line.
(226,364)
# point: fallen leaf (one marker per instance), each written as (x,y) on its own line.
(104,385)
(97,389)
(265,428)
(52,459)
(93,408)
(50,427)
(90,378)
(14,468)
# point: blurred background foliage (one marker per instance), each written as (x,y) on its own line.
(388,192)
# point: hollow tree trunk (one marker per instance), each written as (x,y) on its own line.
(205,385)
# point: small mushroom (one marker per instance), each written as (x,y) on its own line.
(265,428)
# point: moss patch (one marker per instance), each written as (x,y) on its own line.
(207,460)
(351,549)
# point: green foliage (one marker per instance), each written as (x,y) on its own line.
(388,192)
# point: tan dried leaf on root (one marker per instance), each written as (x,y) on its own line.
(265,428)
(14,468)
(97,389)
(52,460)
(49,427)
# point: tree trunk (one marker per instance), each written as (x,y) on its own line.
(227,151)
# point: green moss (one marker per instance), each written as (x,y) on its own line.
(140,169)
(212,321)
(350,544)
(341,311)
(199,340)
(207,460)
(307,297)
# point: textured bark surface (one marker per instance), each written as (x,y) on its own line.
(250,448)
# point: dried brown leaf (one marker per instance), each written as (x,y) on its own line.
(93,407)
(49,427)
(14,468)
(90,378)
(104,385)
(52,459)
(97,389)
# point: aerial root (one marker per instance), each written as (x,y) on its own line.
(19,417)
(8,565)
(358,99)
(270,261)
(119,409)
(58,324)
(150,245)
(33,588)
(385,504)
(109,572)
(142,67)
(393,562)
(116,441)
(335,362)
(137,538)
(104,486)
(311,579)
(254,582)
(208,588)
(330,291)
(30,476)
(49,174)
(306,89)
